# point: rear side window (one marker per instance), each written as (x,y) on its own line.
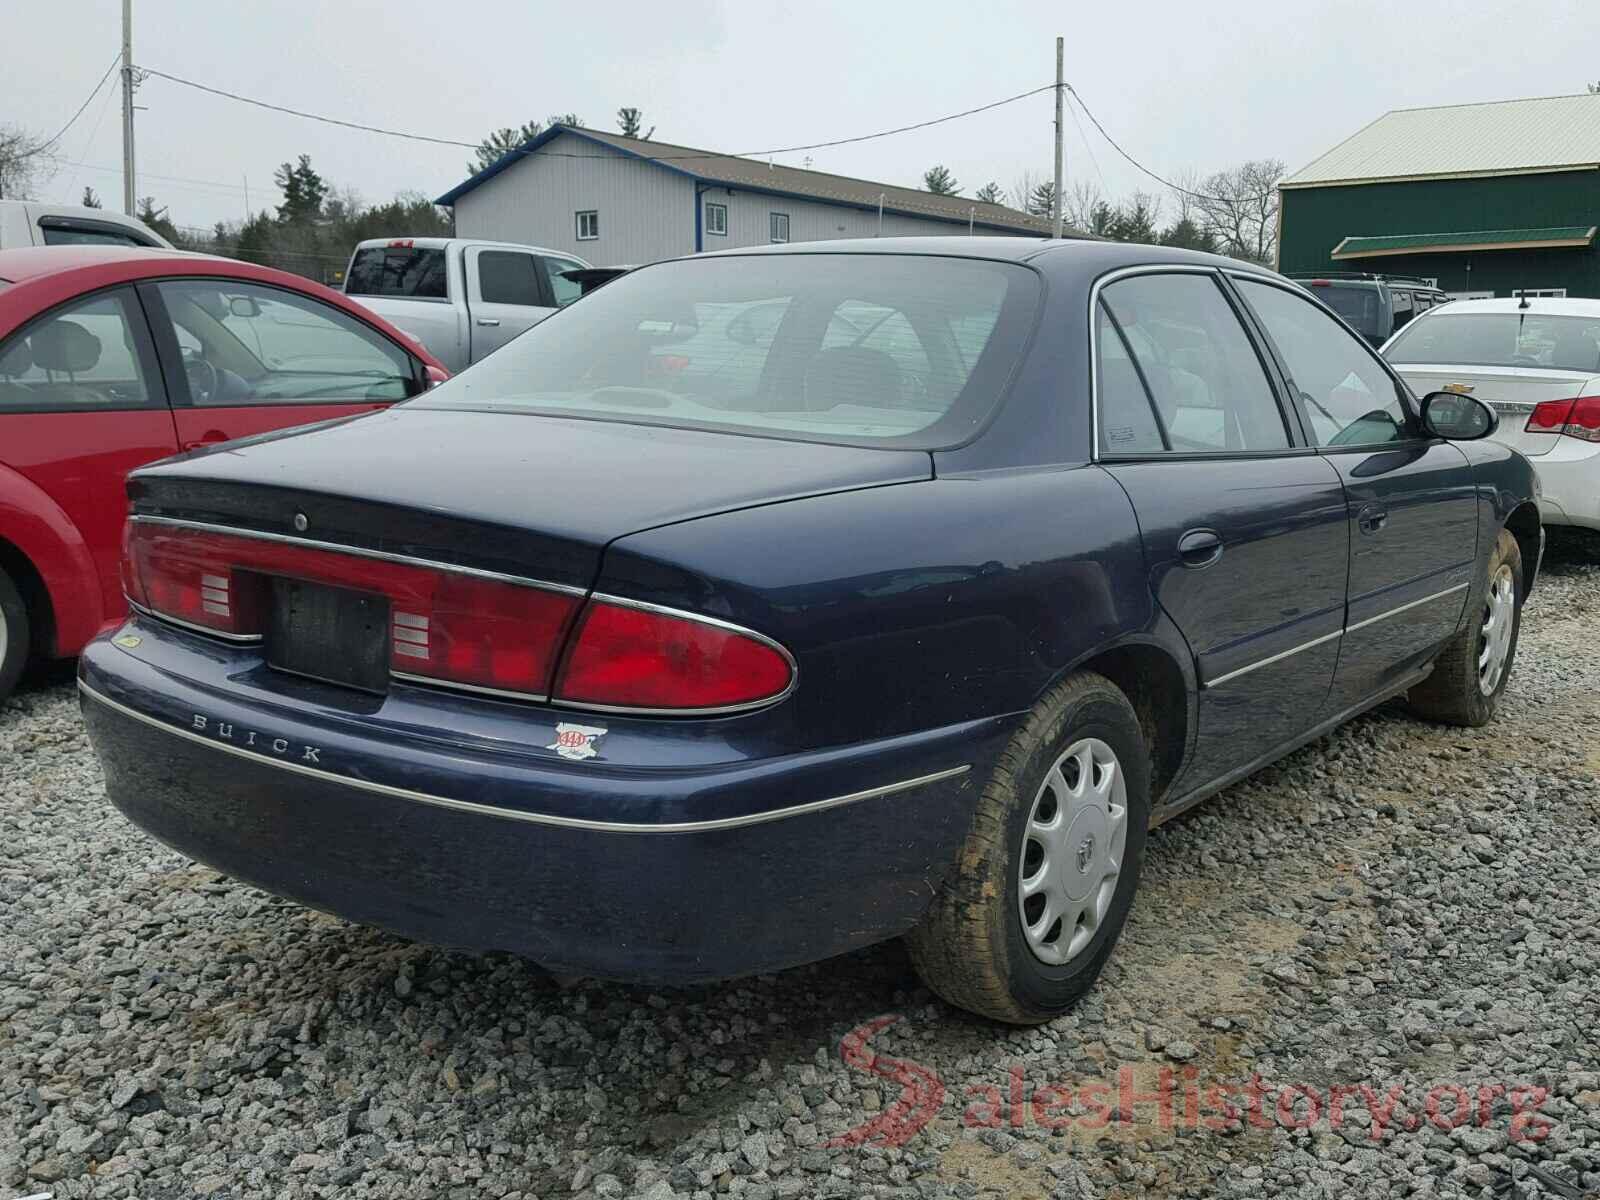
(563,289)
(506,277)
(1209,388)
(416,272)
(1127,418)
(882,349)
(83,357)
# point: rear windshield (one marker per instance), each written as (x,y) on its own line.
(901,350)
(412,271)
(1530,339)
(1357,304)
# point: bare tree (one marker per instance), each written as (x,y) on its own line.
(1079,202)
(25,163)
(1025,185)
(1239,208)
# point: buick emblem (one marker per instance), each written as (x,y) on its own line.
(300,523)
(1085,853)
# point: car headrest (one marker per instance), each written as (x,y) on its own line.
(63,345)
(16,359)
(1574,352)
(852,375)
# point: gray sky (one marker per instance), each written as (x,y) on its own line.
(1180,85)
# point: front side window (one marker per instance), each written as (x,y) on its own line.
(1210,391)
(244,343)
(563,289)
(778,226)
(910,350)
(588,225)
(82,357)
(508,277)
(1348,397)
(79,235)
(717,219)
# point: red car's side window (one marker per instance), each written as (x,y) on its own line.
(82,357)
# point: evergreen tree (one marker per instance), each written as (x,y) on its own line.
(303,191)
(939,181)
(989,193)
(90,200)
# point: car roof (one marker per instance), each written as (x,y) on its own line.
(1549,305)
(32,262)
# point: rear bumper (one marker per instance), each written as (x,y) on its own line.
(1569,477)
(600,867)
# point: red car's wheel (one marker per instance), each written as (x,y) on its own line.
(14,634)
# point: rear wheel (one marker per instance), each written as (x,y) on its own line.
(1046,877)
(14,635)
(1472,670)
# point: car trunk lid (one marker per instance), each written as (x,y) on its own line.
(1513,392)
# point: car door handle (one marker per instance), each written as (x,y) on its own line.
(490,321)
(1372,518)
(1200,547)
(209,438)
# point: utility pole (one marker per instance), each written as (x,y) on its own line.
(1061,94)
(129,203)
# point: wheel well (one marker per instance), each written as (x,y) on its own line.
(41,616)
(1524,526)
(1155,687)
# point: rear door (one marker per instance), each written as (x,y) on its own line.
(507,292)
(1243,526)
(242,358)
(82,404)
(1412,501)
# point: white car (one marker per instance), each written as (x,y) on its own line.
(1537,363)
(25,223)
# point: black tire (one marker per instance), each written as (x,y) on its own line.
(1454,694)
(970,947)
(15,635)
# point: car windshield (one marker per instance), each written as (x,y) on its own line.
(905,350)
(1512,339)
(1356,303)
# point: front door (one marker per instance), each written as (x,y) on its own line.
(1244,529)
(81,405)
(244,358)
(1412,504)
(507,292)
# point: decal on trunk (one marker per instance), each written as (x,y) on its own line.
(576,741)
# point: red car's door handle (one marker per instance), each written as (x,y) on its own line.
(209,438)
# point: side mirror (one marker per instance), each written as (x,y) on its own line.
(243,306)
(1458,418)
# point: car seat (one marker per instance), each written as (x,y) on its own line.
(63,347)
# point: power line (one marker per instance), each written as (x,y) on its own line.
(1159,179)
(439,141)
(86,102)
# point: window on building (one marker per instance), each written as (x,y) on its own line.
(778,226)
(717,219)
(588,224)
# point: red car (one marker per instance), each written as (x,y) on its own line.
(113,357)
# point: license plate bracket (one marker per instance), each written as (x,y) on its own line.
(337,635)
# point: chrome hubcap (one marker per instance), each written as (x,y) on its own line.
(1494,640)
(1072,851)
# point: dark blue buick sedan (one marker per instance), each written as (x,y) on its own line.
(769,604)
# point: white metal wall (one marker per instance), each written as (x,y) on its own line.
(811,221)
(646,213)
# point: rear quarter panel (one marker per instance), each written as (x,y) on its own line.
(1505,481)
(36,526)
(909,606)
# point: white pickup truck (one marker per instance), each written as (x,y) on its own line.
(461,299)
(26,223)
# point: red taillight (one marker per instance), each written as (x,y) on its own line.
(457,627)
(1578,418)
(1322,283)
(447,625)
(638,658)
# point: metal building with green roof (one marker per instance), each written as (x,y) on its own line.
(1488,199)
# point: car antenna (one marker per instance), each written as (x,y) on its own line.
(1523,302)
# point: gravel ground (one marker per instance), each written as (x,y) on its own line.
(1398,905)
